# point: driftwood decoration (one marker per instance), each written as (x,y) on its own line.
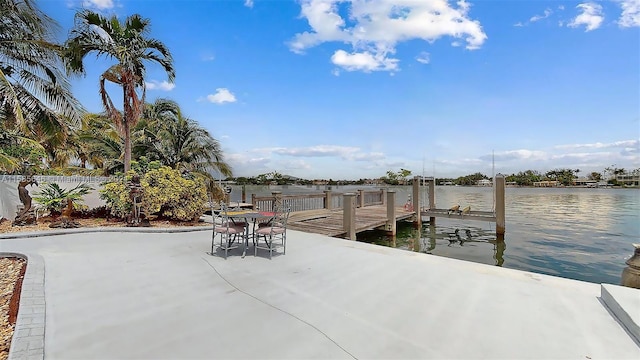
(26,215)
(65,220)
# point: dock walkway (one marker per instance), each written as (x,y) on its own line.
(331,222)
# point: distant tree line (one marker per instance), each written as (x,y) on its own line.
(523,178)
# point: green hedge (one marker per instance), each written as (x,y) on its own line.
(166,193)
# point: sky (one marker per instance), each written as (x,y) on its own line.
(351,89)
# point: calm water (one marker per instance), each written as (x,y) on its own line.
(577,233)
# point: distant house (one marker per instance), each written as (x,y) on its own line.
(585,182)
(628,179)
(547,183)
(483,182)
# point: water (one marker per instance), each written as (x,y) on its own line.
(576,233)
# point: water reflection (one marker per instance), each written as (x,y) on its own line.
(578,233)
(465,243)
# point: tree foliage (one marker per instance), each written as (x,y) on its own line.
(562,176)
(35,96)
(165,192)
(524,178)
(396,178)
(471,179)
(128,44)
(165,134)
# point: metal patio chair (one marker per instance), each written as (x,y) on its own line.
(276,230)
(230,233)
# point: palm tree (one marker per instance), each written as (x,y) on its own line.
(127,43)
(33,89)
(102,145)
(164,134)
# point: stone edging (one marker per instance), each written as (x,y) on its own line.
(28,336)
(19,235)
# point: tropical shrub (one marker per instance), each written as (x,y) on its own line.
(53,197)
(165,192)
(116,195)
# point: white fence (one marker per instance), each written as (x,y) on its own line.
(59,179)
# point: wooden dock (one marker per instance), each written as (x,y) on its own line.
(330,222)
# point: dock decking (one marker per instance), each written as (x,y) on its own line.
(330,222)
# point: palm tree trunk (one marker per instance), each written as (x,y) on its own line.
(126,122)
(127,146)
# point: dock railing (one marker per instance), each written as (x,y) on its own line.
(327,200)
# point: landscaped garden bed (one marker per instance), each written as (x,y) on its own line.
(11,274)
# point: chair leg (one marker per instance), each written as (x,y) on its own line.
(256,242)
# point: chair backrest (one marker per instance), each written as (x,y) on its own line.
(221,216)
(281,216)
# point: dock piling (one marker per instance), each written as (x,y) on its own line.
(349,215)
(327,199)
(432,198)
(416,201)
(390,226)
(500,208)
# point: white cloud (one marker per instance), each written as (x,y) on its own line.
(156,85)
(248,3)
(221,96)
(518,24)
(560,7)
(373,156)
(591,16)
(364,61)
(376,27)
(516,155)
(335,72)
(295,165)
(318,151)
(630,16)
(423,58)
(599,145)
(321,151)
(547,13)
(98,4)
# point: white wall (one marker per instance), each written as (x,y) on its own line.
(9,199)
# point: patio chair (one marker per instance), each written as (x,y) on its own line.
(230,233)
(275,230)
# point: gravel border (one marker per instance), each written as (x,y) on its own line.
(28,337)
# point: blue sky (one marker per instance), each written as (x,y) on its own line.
(351,89)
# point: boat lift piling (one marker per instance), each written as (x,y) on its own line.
(497,215)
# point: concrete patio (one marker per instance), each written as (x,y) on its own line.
(127,295)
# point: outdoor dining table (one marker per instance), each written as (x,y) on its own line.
(249,217)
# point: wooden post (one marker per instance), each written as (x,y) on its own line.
(244,193)
(253,202)
(349,215)
(416,201)
(500,209)
(384,195)
(328,199)
(391,212)
(361,198)
(432,198)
